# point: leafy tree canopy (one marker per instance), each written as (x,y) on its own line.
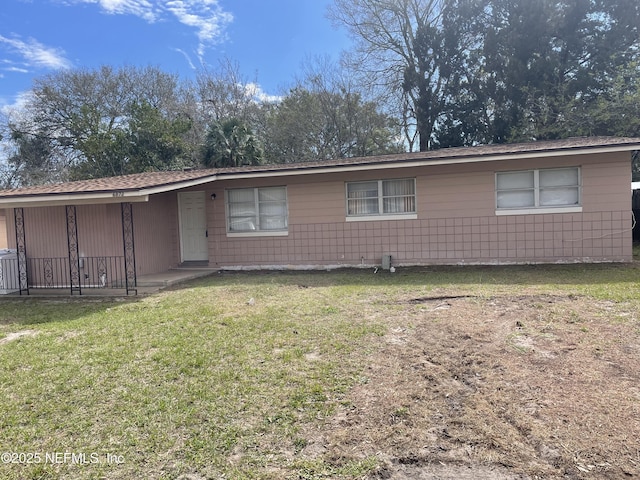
(423,74)
(460,72)
(230,143)
(94,123)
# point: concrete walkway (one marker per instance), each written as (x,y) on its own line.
(173,277)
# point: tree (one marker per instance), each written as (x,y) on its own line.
(616,111)
(483,71)
(224,93)
(156,142)
(414,52)
(320,125)
(32,162)
(543,61)
(324,117)
(145,141)
(90,117)
(230,143)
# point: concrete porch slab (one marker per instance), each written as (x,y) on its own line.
(174,276)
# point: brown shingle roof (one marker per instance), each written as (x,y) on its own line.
(574,143)
(150,180)
(134,181)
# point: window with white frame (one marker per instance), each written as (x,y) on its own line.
(538,189)
(381,197)
(254,210)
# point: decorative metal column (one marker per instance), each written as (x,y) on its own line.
(21,247)
(74,255)
(131,281)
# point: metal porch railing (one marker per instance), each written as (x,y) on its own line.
(94,272)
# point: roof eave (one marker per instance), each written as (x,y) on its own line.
(142,194)
(102,197)
(54,200)
(319,169)
(178,185)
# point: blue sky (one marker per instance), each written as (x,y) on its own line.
(268,39)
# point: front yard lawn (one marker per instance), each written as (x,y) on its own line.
(530,370)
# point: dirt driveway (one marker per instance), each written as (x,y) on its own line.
(507,387)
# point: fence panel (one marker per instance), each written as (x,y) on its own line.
(95,272)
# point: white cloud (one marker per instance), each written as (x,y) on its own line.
(16,104)
(255,91)
(139,8)
(17,70)
(206,17)
(187,57)
(35,53)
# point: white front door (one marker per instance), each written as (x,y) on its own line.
(193,226)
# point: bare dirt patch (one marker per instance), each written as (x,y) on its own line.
(527,386)
(16,335)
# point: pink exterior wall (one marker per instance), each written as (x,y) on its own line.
(3,229)
(456,220)
(156,234)
(100,233)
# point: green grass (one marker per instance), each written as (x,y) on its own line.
(204,381)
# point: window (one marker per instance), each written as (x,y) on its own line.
(381,197)
(255,210)
(550,188)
